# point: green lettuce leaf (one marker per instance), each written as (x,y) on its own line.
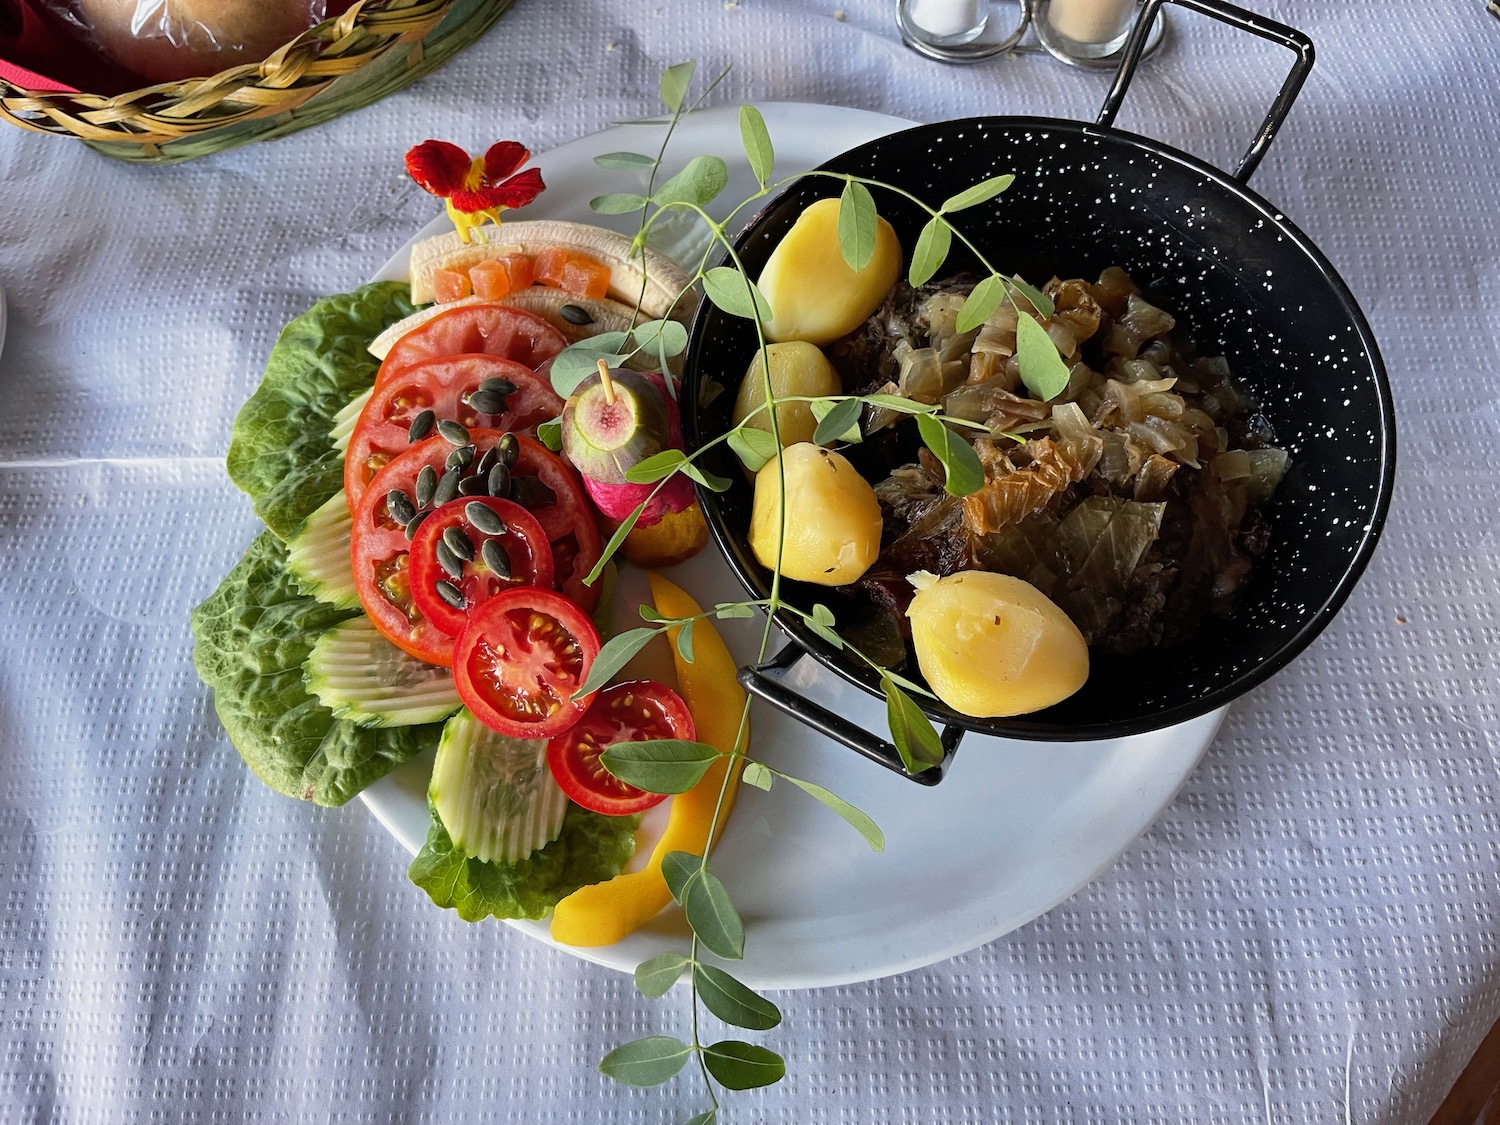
(590,849)
(279,451)
(253,634)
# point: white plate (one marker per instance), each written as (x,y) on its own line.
(2,319)
(1014,829)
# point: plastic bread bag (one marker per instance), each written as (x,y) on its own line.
(167,40)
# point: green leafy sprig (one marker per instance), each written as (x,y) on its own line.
(672,765)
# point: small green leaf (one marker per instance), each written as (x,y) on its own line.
(981,303)
(699,182)
(617,203)
(932,249)
(614,544)
(1039,300)
(650,613)
(1042,369)
(577,362)
(675,81)
(660,765)
(708,480)
(861,822)
(960,463)
(732,1002)
(759,775)
(916,740)
(725,610)
(625,160)
(857,225)
(985,189)
(754,447)
(737,1065)
(908,685)
(708,1117)
(706,904)
(838,420)
(736,294)
(757,140)
(657,467)
(821,622)
(679,869)
(655,978)
(899,404)
(550,434)
(685,641)
(661,337)
(646,1062)
(615,654)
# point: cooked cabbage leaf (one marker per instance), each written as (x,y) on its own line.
(253,634)
(590,849)
(280,451)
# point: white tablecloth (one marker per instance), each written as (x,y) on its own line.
(1308,932)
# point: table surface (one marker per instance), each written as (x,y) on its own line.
(1307,934)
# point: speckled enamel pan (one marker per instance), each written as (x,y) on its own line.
(1242,282)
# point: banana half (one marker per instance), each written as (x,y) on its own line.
(651,278)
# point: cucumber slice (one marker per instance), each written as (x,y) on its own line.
(360,676)
(494,794)
(318,555)
(344,420)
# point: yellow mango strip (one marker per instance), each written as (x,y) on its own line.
(604,913)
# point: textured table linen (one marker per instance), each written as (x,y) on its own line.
(1307,935)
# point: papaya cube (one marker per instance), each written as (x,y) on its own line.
(584,277)
(491,280)
(547,267)
(522,275)
(449,285)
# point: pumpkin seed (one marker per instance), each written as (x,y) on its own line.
(495,558)
(400,506)
(447,488)
(460,458)
(459,543)
(414,523)
(475,485)
(454,433)
(575,314)
(483,519)
(427,481)
(485,460)
(450,593)
(497,386)
(508,449)
(499,481)
(448,560)
(421,426)
(487,402)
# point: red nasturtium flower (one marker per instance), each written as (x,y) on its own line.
(475,189)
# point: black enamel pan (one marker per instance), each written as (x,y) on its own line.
(1242,282)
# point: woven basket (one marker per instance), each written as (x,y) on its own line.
(373,49)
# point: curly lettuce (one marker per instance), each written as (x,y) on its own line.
(590,849)
(252,636)
(279,451)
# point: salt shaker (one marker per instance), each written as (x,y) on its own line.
(1091,29)
(947,23)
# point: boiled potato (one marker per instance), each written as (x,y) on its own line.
(797,368)
(993,645)
(832,517)
(813,294)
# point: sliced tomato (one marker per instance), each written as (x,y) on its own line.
(635,711)
(445,387)
(527,557)
(492,329)
(552,490)
(521,657)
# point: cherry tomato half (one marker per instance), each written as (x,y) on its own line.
(634,711)
(491,329)
(445,387)
(521,657)
(526,556)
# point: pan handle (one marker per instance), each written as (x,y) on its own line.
(1288,37)
(768,681)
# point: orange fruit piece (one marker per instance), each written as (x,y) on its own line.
(491,279)
(585,277)
(450,285)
